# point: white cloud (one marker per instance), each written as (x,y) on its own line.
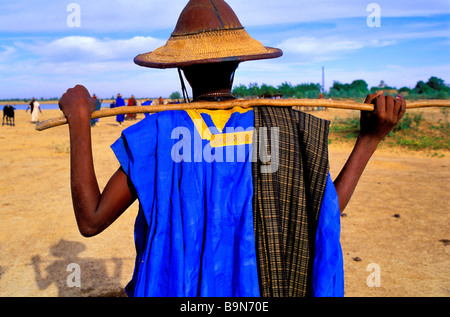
(6,52)
(62,63)
(347,37)
(327,48)
(90,49)
(39,52)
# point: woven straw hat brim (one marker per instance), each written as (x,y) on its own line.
(207,47)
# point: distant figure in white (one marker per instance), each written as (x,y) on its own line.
(35,110)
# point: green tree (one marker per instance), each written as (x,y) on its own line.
(360,85)
(286,90)
(404,89)
(175,95)
(240,91)
(422,88)
(340,87)
(267,91)
(307,91)
(435,83)
(253,89)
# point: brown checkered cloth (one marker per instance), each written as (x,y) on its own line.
(287,202)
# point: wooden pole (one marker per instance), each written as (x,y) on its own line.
(237,103)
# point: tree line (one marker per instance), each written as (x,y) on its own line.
(434,88)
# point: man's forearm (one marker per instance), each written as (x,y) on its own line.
(94,210)
(350,174)
(85,190)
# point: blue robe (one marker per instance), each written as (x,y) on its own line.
(97,107)
(120,103)
(194,231)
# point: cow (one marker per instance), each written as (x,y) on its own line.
(8,112)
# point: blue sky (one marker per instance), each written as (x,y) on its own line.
(41,56)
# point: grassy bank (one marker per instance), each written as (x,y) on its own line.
(414,132)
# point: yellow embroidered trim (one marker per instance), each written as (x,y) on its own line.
(227,139)
(200,124)
(220,119)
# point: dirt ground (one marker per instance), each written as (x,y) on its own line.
(395,231)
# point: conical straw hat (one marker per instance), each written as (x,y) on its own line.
(207,31)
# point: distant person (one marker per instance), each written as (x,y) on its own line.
(132,102)
(161,101)
(95,122)
(120,103)
(35,110)
(31,105)
(147,102)
(320,97)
